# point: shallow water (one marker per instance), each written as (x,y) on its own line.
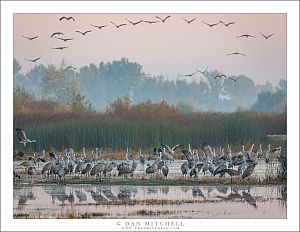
(96,201)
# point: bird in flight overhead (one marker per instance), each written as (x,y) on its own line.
(67,18)
(236,53)
(133,23)
(163,19)
(22,137)
(33,60)
(59,48)
(57,33)
(233,79)
(66,39)
(150,22)
(189,21)
(189,75)
(266,36)
(210,25)
(226,24)
(30,38)
(203,72)
(84,33)
(120,25)
(69,67)
(100,27)
(220,76)
(246,36)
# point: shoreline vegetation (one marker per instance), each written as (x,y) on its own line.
(158,181)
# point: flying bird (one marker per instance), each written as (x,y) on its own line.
(226,24)
(59,48)
(236,53)
(100,27)
(22,137)
(33,60)
(57,33)
(84,33)
(220,76)
(67,18)
(203,72)
(120,25)
(163,19)
(233,79)
(30,38)
(69,67)
(189,75)
(150,22)
(64,39)
(246,36)
(266,36)
(134,23)
(210,25)
(189,21)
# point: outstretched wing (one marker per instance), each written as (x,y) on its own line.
(166,146)
(21,134)
(175,147)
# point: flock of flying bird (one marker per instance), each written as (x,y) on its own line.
(217,163)
(61,36)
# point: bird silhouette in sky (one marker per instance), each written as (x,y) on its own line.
(33,60)
(99,27)
(133,23)
(220,76)
(30,38)
(210,25)
(246,36)
(189,21)
(67,18)
(64,39)
(60,48)
(236,53)
(57,33)
(189,75)
(226,24)
(266,36)
(163,19)
(84,33)
(118,25)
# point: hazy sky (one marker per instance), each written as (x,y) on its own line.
(168,49)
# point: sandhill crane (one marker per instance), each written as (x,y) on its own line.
(246,36)
(210,25)
(69,67)
(232,172)
(165,170)
(133,23)
(60,48)
(173,148)
(249,170)
(64,39)
(227,24)
(86,170)
(267,153)
(266,36)
(220,170)
(184,169)
(38,157)
(31,171)
(118,25)
(22,137)
(16,175)
(67,18)
(277,151)
(166,156)
(99,27)
(98,169)
(123,168)
(203,72)
(189,75)
(109,167)
(57,33)
(33,60)
(83,33)
(150,22)
(151,169)
(163,19)
(47,168)
(189,21)
(142,158)
(236,53)
(220,76)
(249,199)
(30,38)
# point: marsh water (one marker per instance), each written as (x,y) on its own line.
(96,201)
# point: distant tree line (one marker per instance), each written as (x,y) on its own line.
(100,85)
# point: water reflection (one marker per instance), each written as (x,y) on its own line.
(239,198)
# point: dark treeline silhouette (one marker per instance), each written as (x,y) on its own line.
(102,84)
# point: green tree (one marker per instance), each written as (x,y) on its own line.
(79,103)
(185,107)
